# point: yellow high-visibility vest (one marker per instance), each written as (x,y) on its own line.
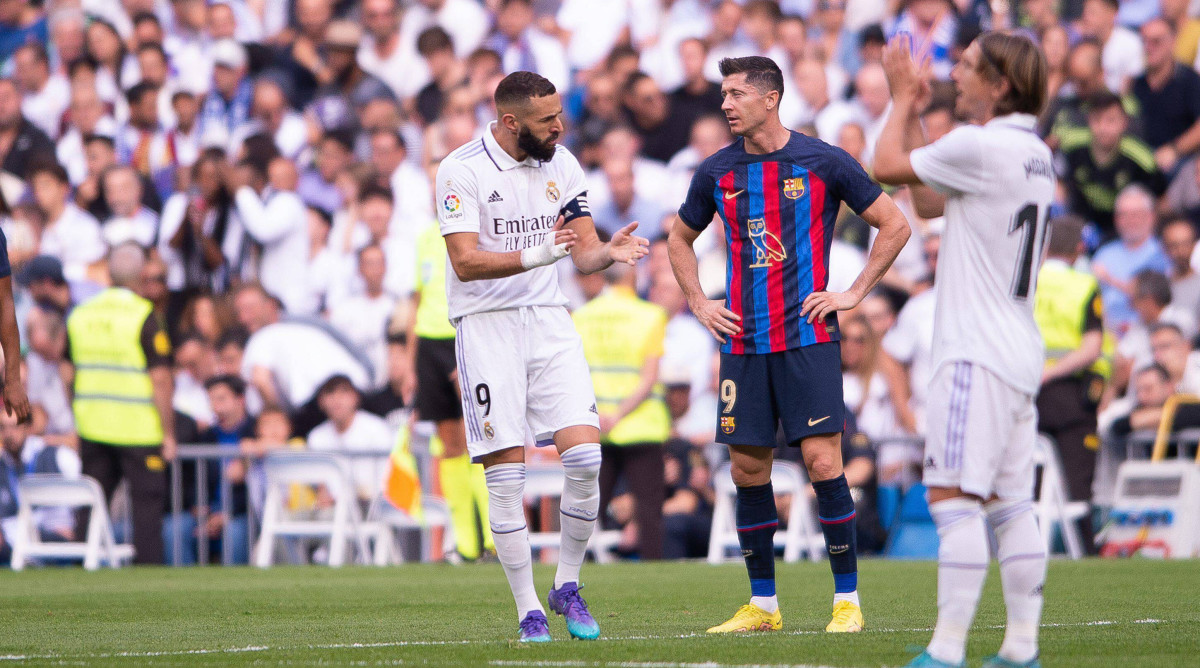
(114,398)
(619,332)
(1060,307)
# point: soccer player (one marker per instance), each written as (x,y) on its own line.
(778,193)
(994,182)
(511,204)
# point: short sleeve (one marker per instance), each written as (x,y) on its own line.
(854,186)
(1093,317)
(699,208)
(156,346)
(952,164)
(5,265)
(574,182)
(457,198)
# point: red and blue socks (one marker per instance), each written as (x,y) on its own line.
(757,520)
(835,509)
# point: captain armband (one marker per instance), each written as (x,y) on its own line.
(576,208)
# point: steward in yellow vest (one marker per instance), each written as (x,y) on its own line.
(122,397)
(1069,313)
(623,343)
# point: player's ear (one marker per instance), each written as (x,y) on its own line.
(772,98)
(509,121)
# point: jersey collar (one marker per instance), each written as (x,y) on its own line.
(1025,122)
(499,156)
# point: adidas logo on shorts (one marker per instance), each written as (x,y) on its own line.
(495,197)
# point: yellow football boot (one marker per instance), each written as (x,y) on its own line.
(847,618)
(750,617)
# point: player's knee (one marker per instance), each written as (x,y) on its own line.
(582,462)
(824,466)
(750,475)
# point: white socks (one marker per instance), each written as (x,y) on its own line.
(962,569)
(768,603)
(506,514)
(848,596)
(579,507)
(1022,558)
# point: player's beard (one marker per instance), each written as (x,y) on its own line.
(539,150)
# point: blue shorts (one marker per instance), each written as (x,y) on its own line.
(800,388)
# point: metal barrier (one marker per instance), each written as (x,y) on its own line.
(201,455)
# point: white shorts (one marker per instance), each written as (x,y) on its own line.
(519,367)
(981,433)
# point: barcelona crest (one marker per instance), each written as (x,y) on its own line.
(727,424)
(793,188)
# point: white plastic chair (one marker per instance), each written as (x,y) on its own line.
(285,468)
(1054,507)
(545,481)
(56,491)
(434,514)
(801,536)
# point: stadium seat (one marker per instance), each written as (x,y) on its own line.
(284,468)
(801,535)
(56,491)
(434,514)
(1054,507)
(913,534)
(545,481)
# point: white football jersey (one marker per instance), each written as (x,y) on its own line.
(512,206)
(999,184)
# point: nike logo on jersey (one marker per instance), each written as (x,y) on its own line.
(732,195)
(813,423)
(495,197)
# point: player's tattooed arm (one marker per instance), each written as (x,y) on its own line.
(718,320)
(470,263)
(893,234)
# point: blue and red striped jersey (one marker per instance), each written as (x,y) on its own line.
(779,210)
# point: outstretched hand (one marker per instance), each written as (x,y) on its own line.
(627,248)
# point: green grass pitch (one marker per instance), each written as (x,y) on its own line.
(1098,613)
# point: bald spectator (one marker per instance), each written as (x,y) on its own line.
(1136,249)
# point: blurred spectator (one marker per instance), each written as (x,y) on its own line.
(363,318)
(910,343)
(270,114)
(1085,78)
(697,96)
(385,53)
(933,26)
(1168,96)
(45,93)
(227,395)
(269,360)
(347,427)
(122,398)
(687,509)
(870,104)
(1186,28)
(651,117)
(71,234)
(227,105)
(1151,302)
(624,206)
(1099,161)
(445,70)
(522,46)
(1123,59)
(142,143)
(827,113)
(869,397)
(22,144)
(466,21)
(46,333)
(1151,389)
(343,76)
(23,454)
(412,198)
(335,153)
(195,365)
(130,219)
(276,220)
(43,276)
(1135,249)
(86,116)
(1179,241)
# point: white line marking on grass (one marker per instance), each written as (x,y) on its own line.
(648,664)
(17,658)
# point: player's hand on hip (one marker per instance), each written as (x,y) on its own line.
(819,305)
(718,320)
(627,248)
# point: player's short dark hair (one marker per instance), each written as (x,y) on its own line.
(432,40)
(1064,235)
(518,88)
(373,191)
(761,72)
(1017,59)
(234,383)
(1151,284)
(1102,101)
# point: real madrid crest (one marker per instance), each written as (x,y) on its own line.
(793,188)
(552,193)
(488,431)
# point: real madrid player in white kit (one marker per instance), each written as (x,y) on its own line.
(511,204)
(993,181)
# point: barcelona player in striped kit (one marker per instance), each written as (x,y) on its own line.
(778,194)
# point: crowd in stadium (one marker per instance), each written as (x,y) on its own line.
(274,160)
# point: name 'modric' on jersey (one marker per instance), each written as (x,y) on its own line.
(512,205)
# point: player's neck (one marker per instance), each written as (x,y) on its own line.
(508,142)
(767,138)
